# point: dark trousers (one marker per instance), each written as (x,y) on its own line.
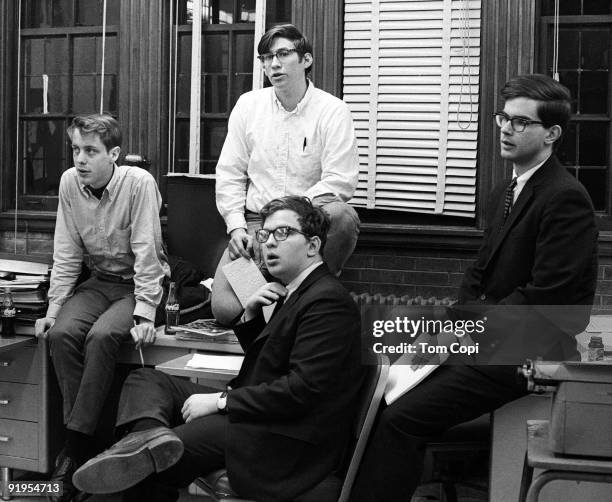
(85,342)
(149,393)
(393,463)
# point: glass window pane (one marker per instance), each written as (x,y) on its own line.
(595,49)
(44,150)
(110,93)
(181,147)
(84,55)
(34,53)
(596,7)
(595,181)
(47,13)
(567,150)
(243,53)
(183,93)
(215,53)
(594,92)
(89,13)
(278,12)
(111,65)
(184,54)
(220,11)
(56,94)
(84,94)
(112,12)
(62,13)
(247,11)
(569,44)
(570,80)
(568,7)
(213,134)
(214,99)
(33,96)
(593,144)
(56,50)
(241,83)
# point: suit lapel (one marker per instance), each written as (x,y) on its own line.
(522,203)
(281,313)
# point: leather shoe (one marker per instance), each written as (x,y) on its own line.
(129,461)
(65,466)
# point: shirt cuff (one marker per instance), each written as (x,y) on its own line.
(53,309)
(145,310)
(234,221)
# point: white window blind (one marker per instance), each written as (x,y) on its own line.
(411,82)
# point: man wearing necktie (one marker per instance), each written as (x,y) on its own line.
(533,284)
(281,427)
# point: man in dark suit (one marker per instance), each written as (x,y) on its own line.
(281,427)
(532,283)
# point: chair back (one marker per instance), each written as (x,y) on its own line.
(371,395)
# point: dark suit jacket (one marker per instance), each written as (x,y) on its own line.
(293,402)
(539,269)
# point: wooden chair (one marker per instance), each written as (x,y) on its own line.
(216,485)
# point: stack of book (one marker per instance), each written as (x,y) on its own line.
(28,282)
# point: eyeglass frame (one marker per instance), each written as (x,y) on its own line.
(268,57)
(289,230)
(525,122)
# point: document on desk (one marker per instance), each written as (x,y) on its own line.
(213,362)
(245,278)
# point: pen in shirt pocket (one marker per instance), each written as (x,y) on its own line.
(304,146)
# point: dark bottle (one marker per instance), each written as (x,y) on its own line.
(172,309)
(596,349)
(8,314)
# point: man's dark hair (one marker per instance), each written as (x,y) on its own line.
(313,220)
(104,126)
(554,99)
(290,32)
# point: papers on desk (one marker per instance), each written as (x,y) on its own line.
(600,324)
(213,362)
(402,378)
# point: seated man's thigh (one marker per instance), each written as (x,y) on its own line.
(78,314)
(115,322)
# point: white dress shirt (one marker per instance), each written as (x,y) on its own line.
(524,178)
(270,152)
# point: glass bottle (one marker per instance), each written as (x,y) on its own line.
(596,349)
(7,313)
(172,309)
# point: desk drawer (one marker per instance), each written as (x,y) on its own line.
(19,401)
(18,438)
(21,366)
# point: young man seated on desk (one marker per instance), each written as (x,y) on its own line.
(111,214)
(281,427)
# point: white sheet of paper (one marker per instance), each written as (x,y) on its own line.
(245,278)
(402,378)
(208,361)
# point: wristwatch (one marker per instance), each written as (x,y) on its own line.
(222,403)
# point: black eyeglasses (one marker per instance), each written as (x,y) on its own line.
(280,234)
(518,124)
(281,54)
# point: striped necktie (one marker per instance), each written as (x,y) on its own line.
(509,198)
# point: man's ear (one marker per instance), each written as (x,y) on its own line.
(314,246)
(307,60)
(554,133)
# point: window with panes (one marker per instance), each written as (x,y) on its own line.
(228,28)
(60,76)
(584,59)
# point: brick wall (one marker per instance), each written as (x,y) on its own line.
(388,271)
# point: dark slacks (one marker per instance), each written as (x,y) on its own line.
(148,393)
(393,463)
(85,342)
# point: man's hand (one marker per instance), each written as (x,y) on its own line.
(240,244)
(199,405)
(266,295)
(143,333)
(42,326)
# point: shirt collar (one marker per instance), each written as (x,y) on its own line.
(111,186)
(301,104)
(295,283)
(523,178)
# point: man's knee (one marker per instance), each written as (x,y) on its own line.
(342,215)
(63,334)
(100,336)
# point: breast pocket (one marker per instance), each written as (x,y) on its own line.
(119,240)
